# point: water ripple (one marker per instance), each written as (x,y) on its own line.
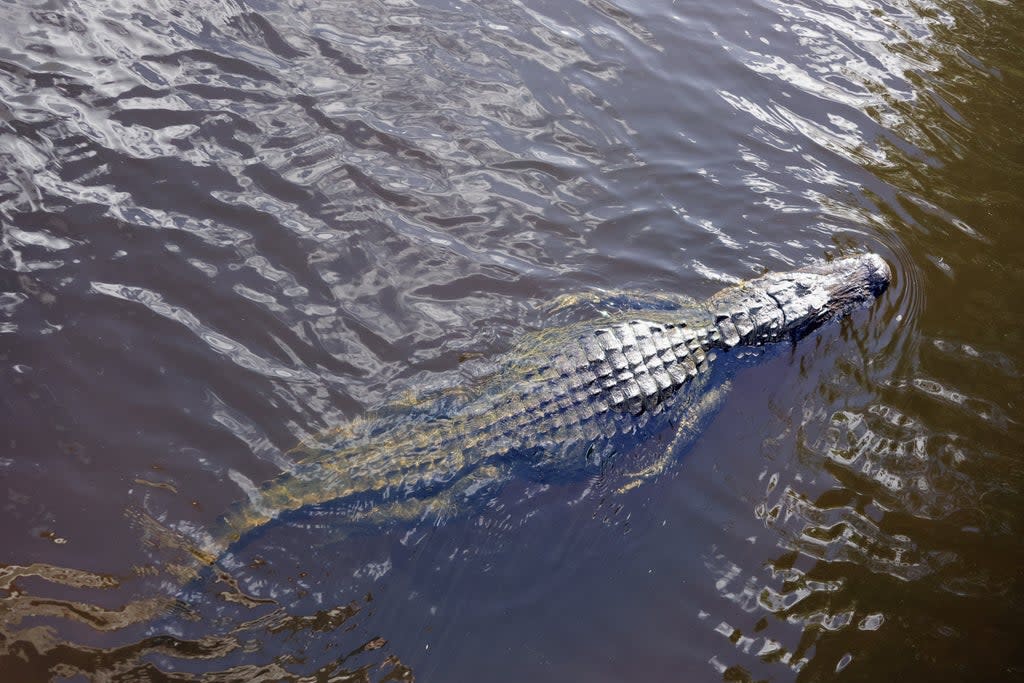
(219,343)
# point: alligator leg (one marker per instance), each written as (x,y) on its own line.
(618,301)
(433,509)
(690,424)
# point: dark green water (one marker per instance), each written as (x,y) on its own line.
(230,226)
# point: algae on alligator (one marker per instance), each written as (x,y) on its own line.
(561,400)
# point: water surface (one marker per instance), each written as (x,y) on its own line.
(230,226)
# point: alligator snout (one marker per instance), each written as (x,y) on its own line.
(878,273)
(792,304)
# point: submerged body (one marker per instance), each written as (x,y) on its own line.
(559,398)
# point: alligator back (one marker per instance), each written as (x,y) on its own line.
(557,397)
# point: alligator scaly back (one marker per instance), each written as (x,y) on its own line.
(558,396)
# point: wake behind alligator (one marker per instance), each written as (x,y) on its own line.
(561,400)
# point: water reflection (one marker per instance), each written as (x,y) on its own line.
(33,649)
(905,496)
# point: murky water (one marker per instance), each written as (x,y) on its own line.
(230,226)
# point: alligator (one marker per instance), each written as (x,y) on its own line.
(561,400)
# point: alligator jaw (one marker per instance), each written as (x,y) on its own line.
(812,296)
(793,304)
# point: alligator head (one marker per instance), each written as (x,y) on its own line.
(786,305)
